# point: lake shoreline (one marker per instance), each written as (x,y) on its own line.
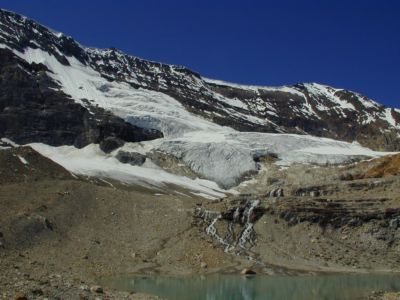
(346,287)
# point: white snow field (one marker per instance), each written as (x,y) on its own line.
(217,153)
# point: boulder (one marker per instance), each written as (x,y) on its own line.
(20,296)
(96,289)
(133,158)
(247,272)
(111,143)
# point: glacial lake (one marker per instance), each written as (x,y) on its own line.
(236,287)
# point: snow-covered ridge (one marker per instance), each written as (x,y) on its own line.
(22,20)
(317,100)
(313,88)
(258,110)
(285,89)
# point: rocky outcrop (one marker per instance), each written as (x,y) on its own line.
(337,213)
(132,158)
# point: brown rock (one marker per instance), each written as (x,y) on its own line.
(20,296)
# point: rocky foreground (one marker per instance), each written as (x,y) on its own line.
(60,235)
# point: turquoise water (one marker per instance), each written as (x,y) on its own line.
(235,287)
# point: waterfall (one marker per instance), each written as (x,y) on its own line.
(243,215)
(245,236)
(212,231)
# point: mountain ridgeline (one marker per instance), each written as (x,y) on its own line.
(34,107)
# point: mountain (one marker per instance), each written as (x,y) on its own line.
(57,92)
(112,165)
(304,108)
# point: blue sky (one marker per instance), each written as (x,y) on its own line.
(347,44)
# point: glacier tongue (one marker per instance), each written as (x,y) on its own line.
(225,156)
(223,163)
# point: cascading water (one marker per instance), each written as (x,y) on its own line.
(244,215)
(245,236)
(212,218)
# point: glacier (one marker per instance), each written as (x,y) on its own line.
(217,153)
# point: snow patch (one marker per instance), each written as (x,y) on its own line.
(10,142)
(388,117)
(329,93)
(23,160)
(284,89)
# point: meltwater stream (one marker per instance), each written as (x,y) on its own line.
(235,287)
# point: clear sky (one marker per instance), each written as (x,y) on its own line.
(347,44)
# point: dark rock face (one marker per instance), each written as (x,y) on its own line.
(301,108)
(133,158)
(31,110)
